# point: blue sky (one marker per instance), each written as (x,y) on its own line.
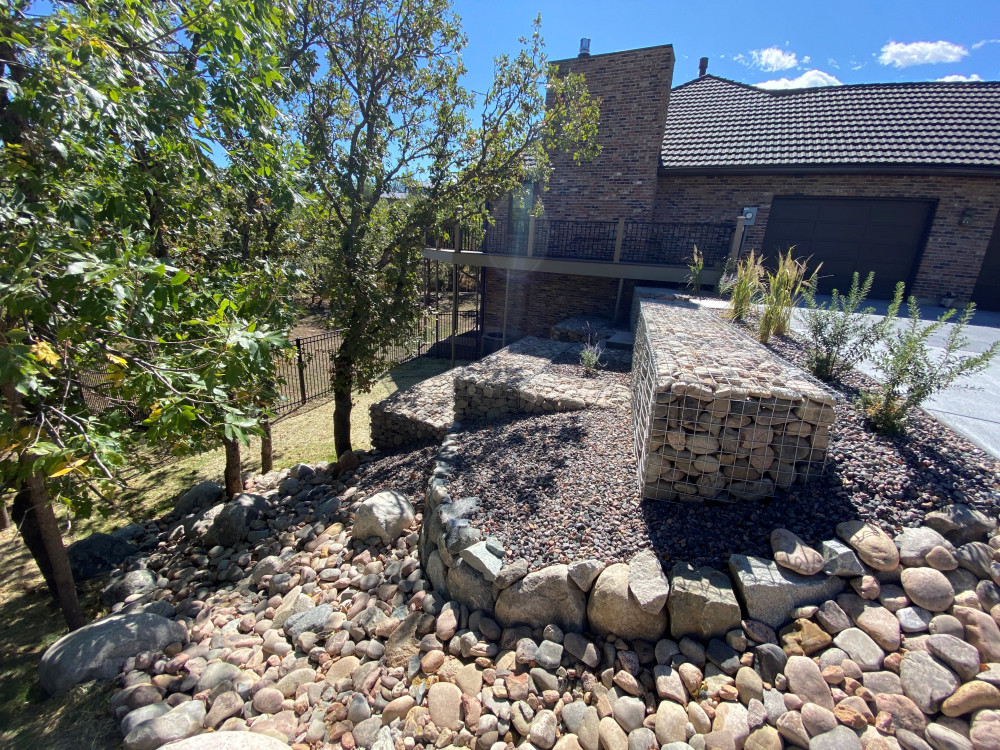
(778,43)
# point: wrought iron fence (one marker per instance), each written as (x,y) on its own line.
(671,244)
(307,375)
(648,243)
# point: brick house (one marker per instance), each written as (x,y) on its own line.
(902,179)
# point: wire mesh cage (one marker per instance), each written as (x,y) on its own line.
(716,415)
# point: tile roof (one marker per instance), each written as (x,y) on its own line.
(714,123)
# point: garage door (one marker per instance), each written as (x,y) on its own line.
(987,292)
(851,234)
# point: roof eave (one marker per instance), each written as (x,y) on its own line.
(886,169)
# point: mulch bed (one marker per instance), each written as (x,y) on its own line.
(562,487)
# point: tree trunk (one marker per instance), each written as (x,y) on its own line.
(343,383)
(4,518)
(266,456)
(234,468)
(27,522)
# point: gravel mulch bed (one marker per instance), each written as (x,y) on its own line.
(562,487)
(405,471)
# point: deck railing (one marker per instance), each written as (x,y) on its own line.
(632,242)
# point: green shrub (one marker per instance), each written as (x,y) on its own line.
(590,357)
(840,334)
(743,287)
(696,265)
(782,291)
(909,373)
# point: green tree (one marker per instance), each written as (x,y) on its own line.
(108,113)
(382,105)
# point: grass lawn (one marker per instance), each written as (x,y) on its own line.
(31,621)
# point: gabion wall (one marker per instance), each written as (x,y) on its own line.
(717,416)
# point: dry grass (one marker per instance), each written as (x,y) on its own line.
(32,621)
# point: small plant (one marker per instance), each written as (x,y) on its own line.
(696,265)
(840,334)
(590,355)
(783,291)
(743,287)
(909,373)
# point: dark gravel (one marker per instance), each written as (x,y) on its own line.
(405,471)
(561,487)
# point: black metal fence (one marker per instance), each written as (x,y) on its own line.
(308,374)
(642,242)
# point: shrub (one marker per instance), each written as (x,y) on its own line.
(743,287)
(696,265)
(782,291)
(840,334)
(590,357)
(909,373)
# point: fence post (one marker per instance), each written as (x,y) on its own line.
(302,369)
(531,236)
(437,329)
(619,239)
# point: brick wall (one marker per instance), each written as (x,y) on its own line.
(951,258)
(539,300)
(634,87)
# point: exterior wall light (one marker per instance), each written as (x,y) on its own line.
(966,218)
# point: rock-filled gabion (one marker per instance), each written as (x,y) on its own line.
(716,415)
(420,414)
(318,628)
(523,379)
(583,329)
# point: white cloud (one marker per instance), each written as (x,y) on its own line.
(806,60)
(832,62)
(921,53)
(809,79)
(960,79)
(774,58)
(740,58)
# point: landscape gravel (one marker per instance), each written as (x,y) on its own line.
(560,487)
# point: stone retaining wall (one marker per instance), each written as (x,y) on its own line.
(717,415)
(523,379)
(420,414)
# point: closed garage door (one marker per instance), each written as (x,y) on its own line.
(851,234)
(987,292)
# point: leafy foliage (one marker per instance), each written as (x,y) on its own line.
(908,372)
(381,107)
(840,333)
(783,288)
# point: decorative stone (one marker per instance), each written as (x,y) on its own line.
(874,546)
(956,653)
(770,592)
(862,649)
(839,559)
(928,588)
(543,597)
(875,620)
(585,572)
(981,631)
(806,681)
(647,582)
(385,515)
(970,697)
(482,559)
(960,523)
(701,603)
(926,681)
(612,608)
(793,553)
(444,702)
(915,543)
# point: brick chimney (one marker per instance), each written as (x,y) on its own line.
(702,66)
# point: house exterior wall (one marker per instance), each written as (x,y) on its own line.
(953,253)
(634,88)
(537,301)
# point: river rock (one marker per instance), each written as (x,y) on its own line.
(928,588)
(793,553)
(926,681)
(960,523)
(806,681)
(874,546)
(177,724)
(232,523)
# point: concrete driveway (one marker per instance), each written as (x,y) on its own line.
(972,405)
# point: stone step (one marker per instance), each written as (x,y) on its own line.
(620,340)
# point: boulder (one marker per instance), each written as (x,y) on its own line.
(385,515)
(96,651)
(544,597)
(614,609)
(233,522)
(202,495)
(701,603)
(97,554)
(134,582)
(874,546)
(647,582)
(961,524)
(769,592)
(468,586)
